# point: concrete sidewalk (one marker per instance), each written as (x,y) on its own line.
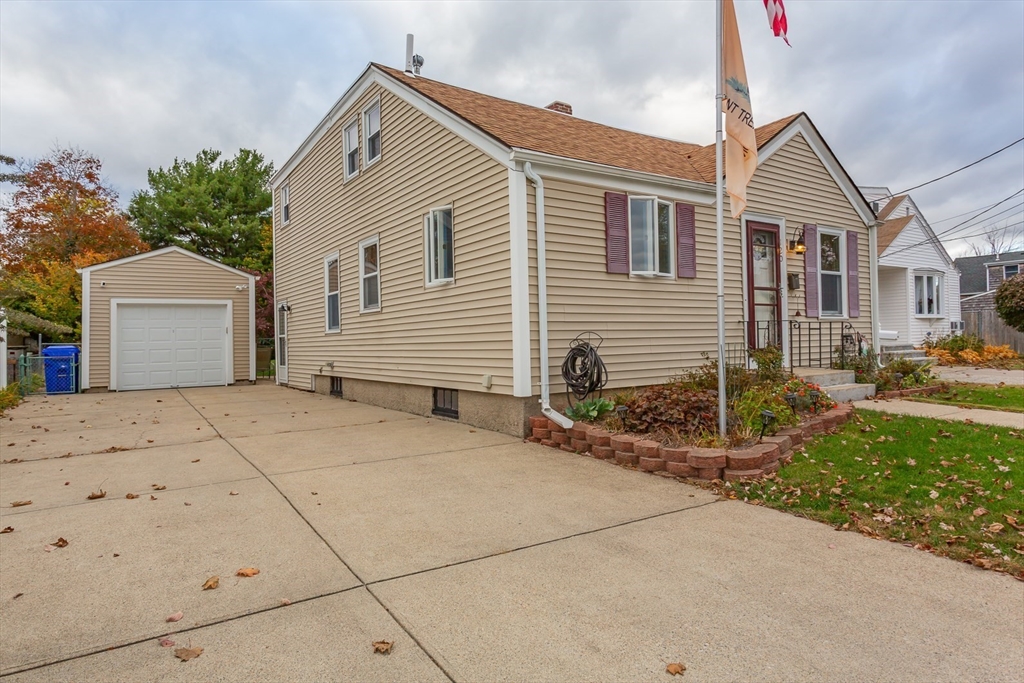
(481,557)
(999,418)
(978,375)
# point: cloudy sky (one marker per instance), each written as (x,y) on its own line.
(902,91)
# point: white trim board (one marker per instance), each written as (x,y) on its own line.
(519,256)
(84,382)
(229,357)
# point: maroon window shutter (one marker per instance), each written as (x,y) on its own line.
(853,273)
(811,271)
(616,232)
(686,240)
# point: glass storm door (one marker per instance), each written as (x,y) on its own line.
(763,295)
(281,371)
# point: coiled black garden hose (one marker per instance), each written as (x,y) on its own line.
(583,370)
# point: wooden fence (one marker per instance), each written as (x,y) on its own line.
(988,326)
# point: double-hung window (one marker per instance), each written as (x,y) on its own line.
(369,274)
(371,133)
(1010,270)
(650,237)
(332,294)
(832,251)
(285,207)
(439,246)
(928,295)
(351,135)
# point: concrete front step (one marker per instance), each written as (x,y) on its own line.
(842,393)
(918,357)
(825,377)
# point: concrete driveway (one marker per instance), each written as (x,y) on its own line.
(481,557)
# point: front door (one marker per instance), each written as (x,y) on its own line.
(281,371)
(764,307)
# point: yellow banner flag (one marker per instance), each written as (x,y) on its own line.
(740,141)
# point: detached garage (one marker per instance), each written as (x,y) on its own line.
(167,319)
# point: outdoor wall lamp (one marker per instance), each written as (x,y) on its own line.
(284,307)
(796,243)
(766,419)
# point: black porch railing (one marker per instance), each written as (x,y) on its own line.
(821,344)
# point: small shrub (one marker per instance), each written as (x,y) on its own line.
(764,397)
(590,410)
(10,396)
(769,364)
(705,377)
(955,343)
(673,407)
(864,366)
(1010,302)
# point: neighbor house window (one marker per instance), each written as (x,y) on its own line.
(285,207)
(832,253)
(650,236)
(332,294)
(928,294)
(440,250)
(371,131)
(352,149)
(1010,271)
(369,274)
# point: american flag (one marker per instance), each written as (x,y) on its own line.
(777,18)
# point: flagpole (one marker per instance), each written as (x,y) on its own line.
(719,230)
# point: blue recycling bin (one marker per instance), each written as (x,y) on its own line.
(60,368)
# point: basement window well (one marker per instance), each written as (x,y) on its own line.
(446,403)
(336,386)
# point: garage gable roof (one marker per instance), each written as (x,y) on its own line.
(160,252)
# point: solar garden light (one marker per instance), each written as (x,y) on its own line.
(766,419)
(815,395)
(898,376)
(917,377)
(791,400)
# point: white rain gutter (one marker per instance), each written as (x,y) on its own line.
(542,304)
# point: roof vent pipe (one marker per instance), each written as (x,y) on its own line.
(542,304)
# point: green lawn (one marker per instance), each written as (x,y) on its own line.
(949,488)
(1008,398)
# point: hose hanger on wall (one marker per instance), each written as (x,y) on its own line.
(583,370)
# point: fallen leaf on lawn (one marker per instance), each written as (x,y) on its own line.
(676,668)
(382,647)
(232,493)
(7,530)
(19,503)
(187,653)
(933,495)
(995,528)
(211,583)
(60,543)
(166,642)
(978,512)
(131,496)
(95,495)
(247,571)
(158,487)
(175,617)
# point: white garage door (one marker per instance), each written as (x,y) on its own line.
(165,345)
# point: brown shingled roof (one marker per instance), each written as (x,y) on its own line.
(889,229)
(542,130)
(891,206)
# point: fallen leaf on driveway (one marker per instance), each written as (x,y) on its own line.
(95,495)
(285,602)
(196,460)
(158,487)
(676,669)
(60,543)
(7,530)
(19,503)
(166,642)
(152,497)
(382,647)
(187,653)
(131,496)
(247,571)
(17,595)
(232,493)
(149,440)
(211,583)
(175,617)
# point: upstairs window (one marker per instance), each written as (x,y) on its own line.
(352,149)
(832,254)
(332,294)
(650,237)
(369,275)
(928,294)
(440,248)
(371,131)
(285,208)
(1010,271)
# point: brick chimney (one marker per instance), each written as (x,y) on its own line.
(560,107)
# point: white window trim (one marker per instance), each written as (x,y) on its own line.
(346,151)
(366,132)
(844,273)
(336,256)
(428,221)
(286,207)
(362,277)
(940,284)
(671,237)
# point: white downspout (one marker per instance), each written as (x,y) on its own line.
(876,343)
(542,304)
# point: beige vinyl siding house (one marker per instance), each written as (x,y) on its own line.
(193,314)
(445,148)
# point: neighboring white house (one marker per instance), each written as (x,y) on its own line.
(918,284)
